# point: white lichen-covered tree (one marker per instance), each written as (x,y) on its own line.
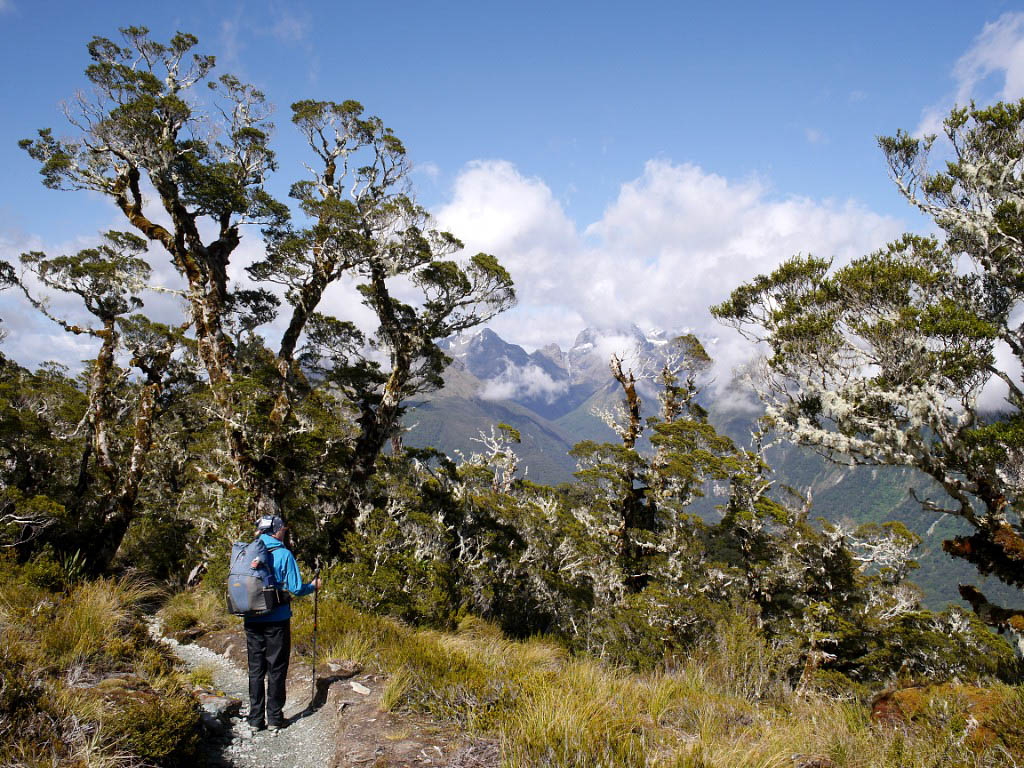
(885,360)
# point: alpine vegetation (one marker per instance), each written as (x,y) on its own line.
(910,355)
(676,603)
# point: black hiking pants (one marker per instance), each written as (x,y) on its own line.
(269,644)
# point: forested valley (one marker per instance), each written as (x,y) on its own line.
(625,624)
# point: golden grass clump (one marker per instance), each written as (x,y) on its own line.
(195,608)
(81,681)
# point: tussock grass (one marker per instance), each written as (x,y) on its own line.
(729,705)
(201,676)
(81,682)
(398,683)
(93,620)
(198,608)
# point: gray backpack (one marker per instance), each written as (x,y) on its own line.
(252,591)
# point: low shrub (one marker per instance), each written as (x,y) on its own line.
(81,681)
(163,729)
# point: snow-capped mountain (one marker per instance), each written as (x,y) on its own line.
(550,381)
(549,394)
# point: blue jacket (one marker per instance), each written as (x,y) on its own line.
(286,571)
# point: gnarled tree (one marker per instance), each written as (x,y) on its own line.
(885,360)
(147,136)
(122,401)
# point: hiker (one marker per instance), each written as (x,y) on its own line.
(268,637)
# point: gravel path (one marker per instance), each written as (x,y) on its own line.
(346,728)
(307,742)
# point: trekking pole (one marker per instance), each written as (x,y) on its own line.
(316,605)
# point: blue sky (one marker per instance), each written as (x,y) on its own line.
(627,163)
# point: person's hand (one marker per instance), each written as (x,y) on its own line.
(316,584)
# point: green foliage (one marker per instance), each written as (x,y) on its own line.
(884,360)
(55,572)
(157,545)
(163,729)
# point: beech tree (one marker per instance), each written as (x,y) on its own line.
(118,424)
(148,136)
(885,360)
(641,497)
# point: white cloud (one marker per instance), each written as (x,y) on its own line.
(495,208)
(997,53)
(32,339)
(676,240)
(231,44)
(814,136)
(994,396)
(527,381)
(428,169)
(289,27)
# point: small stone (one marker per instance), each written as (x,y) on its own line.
(219,706)
(340,668)
(360,688)
(188,636)
(812,761)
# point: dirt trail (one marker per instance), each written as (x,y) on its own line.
(344,727)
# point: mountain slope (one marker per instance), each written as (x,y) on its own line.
(551,397)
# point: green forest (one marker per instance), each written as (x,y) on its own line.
(597,622)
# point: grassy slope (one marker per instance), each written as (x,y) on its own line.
(726,706)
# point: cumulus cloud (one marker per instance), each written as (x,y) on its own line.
(496,209)
(528,381)
(32,339)
(676,240)
(992,68)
